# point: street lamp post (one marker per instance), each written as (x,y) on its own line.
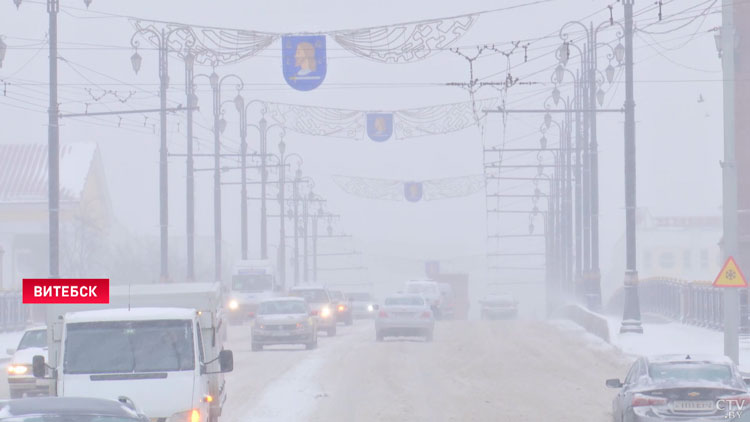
(219,125)
(631,317)
(282,207)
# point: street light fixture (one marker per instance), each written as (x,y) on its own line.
(564,53)
(17,3)
(87,3)
(135,61)
(600,96)
(559,73)
(548,120)
(610,73)
(222,125)
(214,80)
(620,52)
(543,142)
(556,95)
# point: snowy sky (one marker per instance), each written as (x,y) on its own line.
(679,139)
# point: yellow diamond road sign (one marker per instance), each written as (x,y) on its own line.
(730,275)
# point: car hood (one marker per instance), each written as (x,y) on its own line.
(26,356)
(281,319)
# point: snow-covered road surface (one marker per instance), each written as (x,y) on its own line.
(473,371)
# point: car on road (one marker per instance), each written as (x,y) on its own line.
(321,305)
(404,315)
(430,290)
(70,409)
(21,381)
(447,301)
(343,307)
(681,388)
(498,306)
(363,304)
(284,320)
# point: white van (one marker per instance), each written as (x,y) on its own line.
(170,361)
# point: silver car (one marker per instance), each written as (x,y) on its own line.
(285,320)
(404,315)
(363,305)
(321,304)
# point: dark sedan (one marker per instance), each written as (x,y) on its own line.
(69,409)
(681,388)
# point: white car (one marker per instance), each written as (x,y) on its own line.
(404,315)
(21,381)
(430,290)
(285,320)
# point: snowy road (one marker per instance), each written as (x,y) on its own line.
(474,371)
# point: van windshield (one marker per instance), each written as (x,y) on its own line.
(252,282)
(119,347)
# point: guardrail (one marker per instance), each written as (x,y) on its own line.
(14,315)
(690,302)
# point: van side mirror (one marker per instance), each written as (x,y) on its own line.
(747,380)
(38,367)
(226,361)
(614,383)
(10,351)
(375,307)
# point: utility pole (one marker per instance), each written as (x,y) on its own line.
(239,104)
(295,211)
(631,318)
(190,181)
(263,127)
(282,212)
(305,216)
(53,145)
(593,288)
(730,192)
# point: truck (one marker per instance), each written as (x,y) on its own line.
(456,287)
(159,345)
(252,281)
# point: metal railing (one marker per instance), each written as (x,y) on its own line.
(690,302)
(14,315)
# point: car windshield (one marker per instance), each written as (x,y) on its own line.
(68,418)
(279,307)
(359,297)
(33,338)
(690,371)
(404,301)
(252,282)
(120,347)
(311,295)
(335,295)
(421,288)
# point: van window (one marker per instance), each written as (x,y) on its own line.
(118,347)
(199,337)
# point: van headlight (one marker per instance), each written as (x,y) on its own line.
(370,308)
(233,305)
(193,415)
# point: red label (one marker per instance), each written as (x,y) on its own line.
(66,290)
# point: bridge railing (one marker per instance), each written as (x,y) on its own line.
(14,315)
(690,302)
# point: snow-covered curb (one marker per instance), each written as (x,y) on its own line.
(592,322)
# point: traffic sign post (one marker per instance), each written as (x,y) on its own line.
(731,278)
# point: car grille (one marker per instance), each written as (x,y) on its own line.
(281,327)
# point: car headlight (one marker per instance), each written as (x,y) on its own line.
(325,312)
(17,369)
(233,305)
(370,308)
(189,416)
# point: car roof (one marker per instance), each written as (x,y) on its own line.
(283,299)
(66,406)
(699,358)
(308,287)
(134,314)
(404,295)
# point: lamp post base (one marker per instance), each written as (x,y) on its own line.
(631,316)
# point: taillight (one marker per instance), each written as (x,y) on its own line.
(382,314)
(644,400)
(342,308)
(426,314)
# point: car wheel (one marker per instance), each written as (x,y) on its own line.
(16,394)
(257,347)
(428,336)
(378,336)
(331,332)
